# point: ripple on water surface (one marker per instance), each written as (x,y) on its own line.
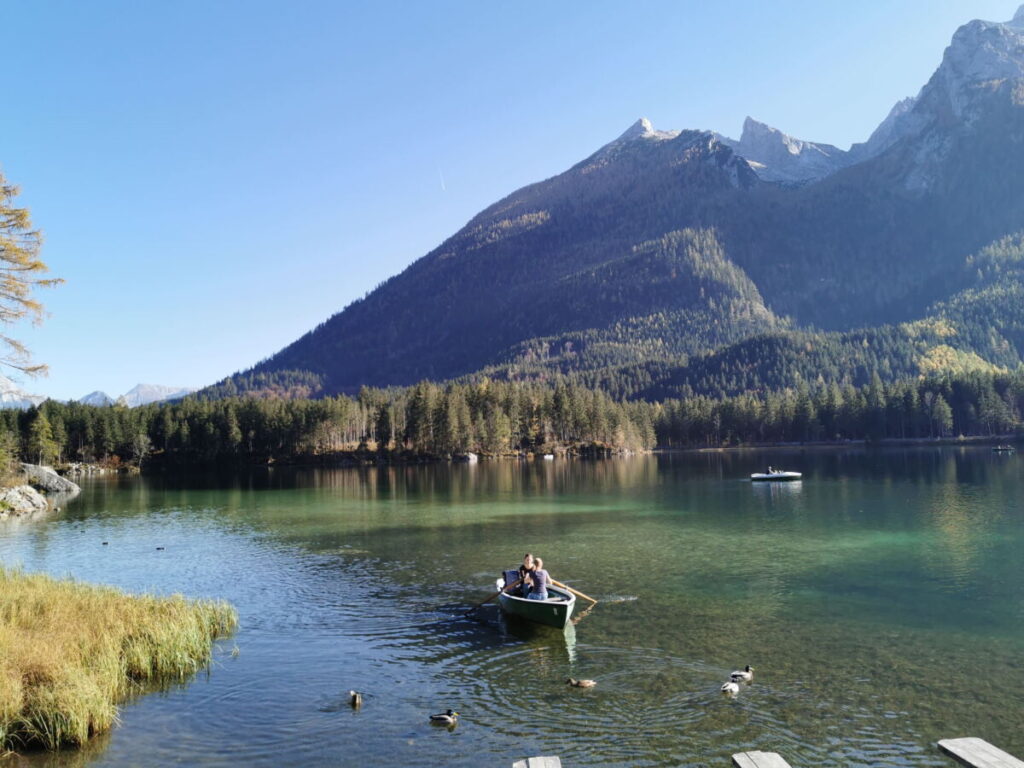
(866,605)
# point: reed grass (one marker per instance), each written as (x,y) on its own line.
(70,652)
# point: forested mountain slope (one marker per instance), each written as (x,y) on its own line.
(670,262)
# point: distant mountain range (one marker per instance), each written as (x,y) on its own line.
(676,262)
(13,396)
(140,394)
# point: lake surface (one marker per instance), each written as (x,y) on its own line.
(881,602)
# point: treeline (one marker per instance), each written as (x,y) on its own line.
(493,418)
(970,404)
(503,418)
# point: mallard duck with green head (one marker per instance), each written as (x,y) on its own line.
(449,718)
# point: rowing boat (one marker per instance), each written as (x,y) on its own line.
(555,611)
(777,477)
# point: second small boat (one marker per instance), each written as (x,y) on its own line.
(776,476)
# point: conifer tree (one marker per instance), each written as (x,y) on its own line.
(41,445)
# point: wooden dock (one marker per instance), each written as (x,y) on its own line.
(972,752)
(538,762)
(978,753)
(759,760)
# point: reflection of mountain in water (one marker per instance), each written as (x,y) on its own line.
(846,595)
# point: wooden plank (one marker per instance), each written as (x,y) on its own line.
(978,753)
(538,762)
(759,760)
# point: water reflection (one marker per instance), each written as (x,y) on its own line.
(778,495)
(69,758)
(537,635)
(847,592)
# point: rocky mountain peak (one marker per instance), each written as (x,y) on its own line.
(754,130)
(982,51)
(1018,19)
(97,398)
(143,394)
(777,156)
(637,130)
(643,129)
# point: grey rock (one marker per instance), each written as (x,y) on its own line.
(21,500)
(48,480)
(75,469)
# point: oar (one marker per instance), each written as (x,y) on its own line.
(575,592)
(581,616)
(515,583)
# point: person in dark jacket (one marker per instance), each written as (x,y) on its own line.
(524,570)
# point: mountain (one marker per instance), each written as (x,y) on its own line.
(672,261)
(13,396)
(140,394)
(143,394)
(775,156)
(97,398)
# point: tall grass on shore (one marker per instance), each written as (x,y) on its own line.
(69,652)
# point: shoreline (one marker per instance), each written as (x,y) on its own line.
(40,491)
(79,650)
(368,459)
(893,442)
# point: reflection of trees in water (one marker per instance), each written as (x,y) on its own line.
(830,588)
(465,482)
(966,521)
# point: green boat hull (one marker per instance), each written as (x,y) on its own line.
(554,612)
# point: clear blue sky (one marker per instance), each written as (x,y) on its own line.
(215,178)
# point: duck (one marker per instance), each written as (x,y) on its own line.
(730,689)
(355,698)
(744,675)
(580,683)
(450,717)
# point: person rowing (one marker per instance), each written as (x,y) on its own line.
(538,579)
(524,571)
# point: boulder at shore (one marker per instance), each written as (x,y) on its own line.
(47,480)
(21,500)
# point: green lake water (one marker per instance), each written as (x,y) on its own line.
(881,601)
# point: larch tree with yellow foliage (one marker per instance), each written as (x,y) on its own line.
(21,272)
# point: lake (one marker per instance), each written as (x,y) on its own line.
(881,602)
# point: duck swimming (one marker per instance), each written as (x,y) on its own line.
(730,689)
(355,699)
(580,683)
(451,717)
(744,675)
